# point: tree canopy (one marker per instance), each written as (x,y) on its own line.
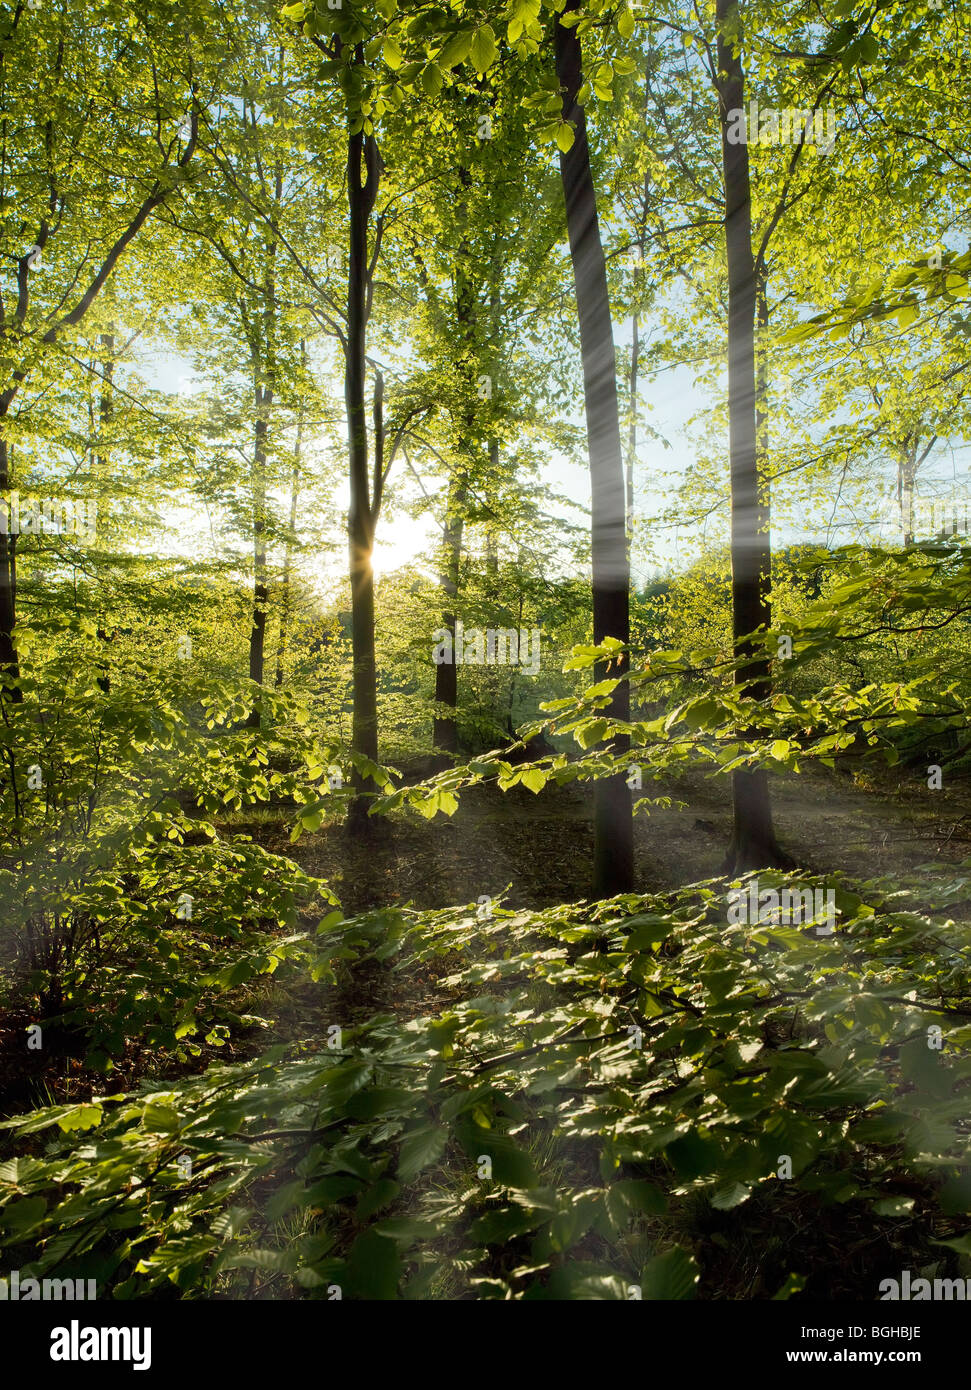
(484,632)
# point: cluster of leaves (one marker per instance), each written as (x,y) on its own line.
(900,620)
(940,281)
(417,49)
(127,912)
(603,1072)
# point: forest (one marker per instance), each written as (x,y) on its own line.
(485,610)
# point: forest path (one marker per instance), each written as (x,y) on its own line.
(883,823)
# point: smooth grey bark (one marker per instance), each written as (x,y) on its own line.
(753,844)
(445,729)
(286,596)
(362,157)
(613,856)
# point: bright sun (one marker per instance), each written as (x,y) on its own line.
(402,541)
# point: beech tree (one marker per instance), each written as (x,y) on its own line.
(71,92)
(754,844)
(613,830)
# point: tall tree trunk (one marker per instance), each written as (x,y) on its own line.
(263,348)
(491,533)
(286,598)
(906,478)
(510,725)
(613,828)
(636,334)
(361,197)
(9,663)
(105,410)
(762,394)
(106,397)
(632,428)
(753,844)
(445,733)
(257,640)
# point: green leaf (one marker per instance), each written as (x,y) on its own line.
(794,1283)
(636,1195)
(419,1149)
(670,1276)
(20,1216)
(81,1117)
(159,1117)
(379,1195)
(392,53)
(534,778)
(482,49)
(456,50)
(868,50)
(703,714)
(373,1267)
(894,1206)
(962,1244)
(565,136)
(593,732)
(646,930)
(733,1194)
(431,79)
(408,1228)
(284,1199)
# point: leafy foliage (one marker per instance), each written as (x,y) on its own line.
(611,1070)
(128,916)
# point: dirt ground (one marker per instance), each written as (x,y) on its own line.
(537,850)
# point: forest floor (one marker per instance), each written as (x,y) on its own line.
(534,851)
(527,851)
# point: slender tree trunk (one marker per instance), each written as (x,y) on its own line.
(762,397)
(105,410)
(492,534)
(632,429)
(510,725)
(263,348)
(445,734)
(613,829)
(445,731)
(636,338)
(491,538)
(360,521)
(257,641)
(906,477)
(753,844)
(106,397)
(286,598)
(9,664)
